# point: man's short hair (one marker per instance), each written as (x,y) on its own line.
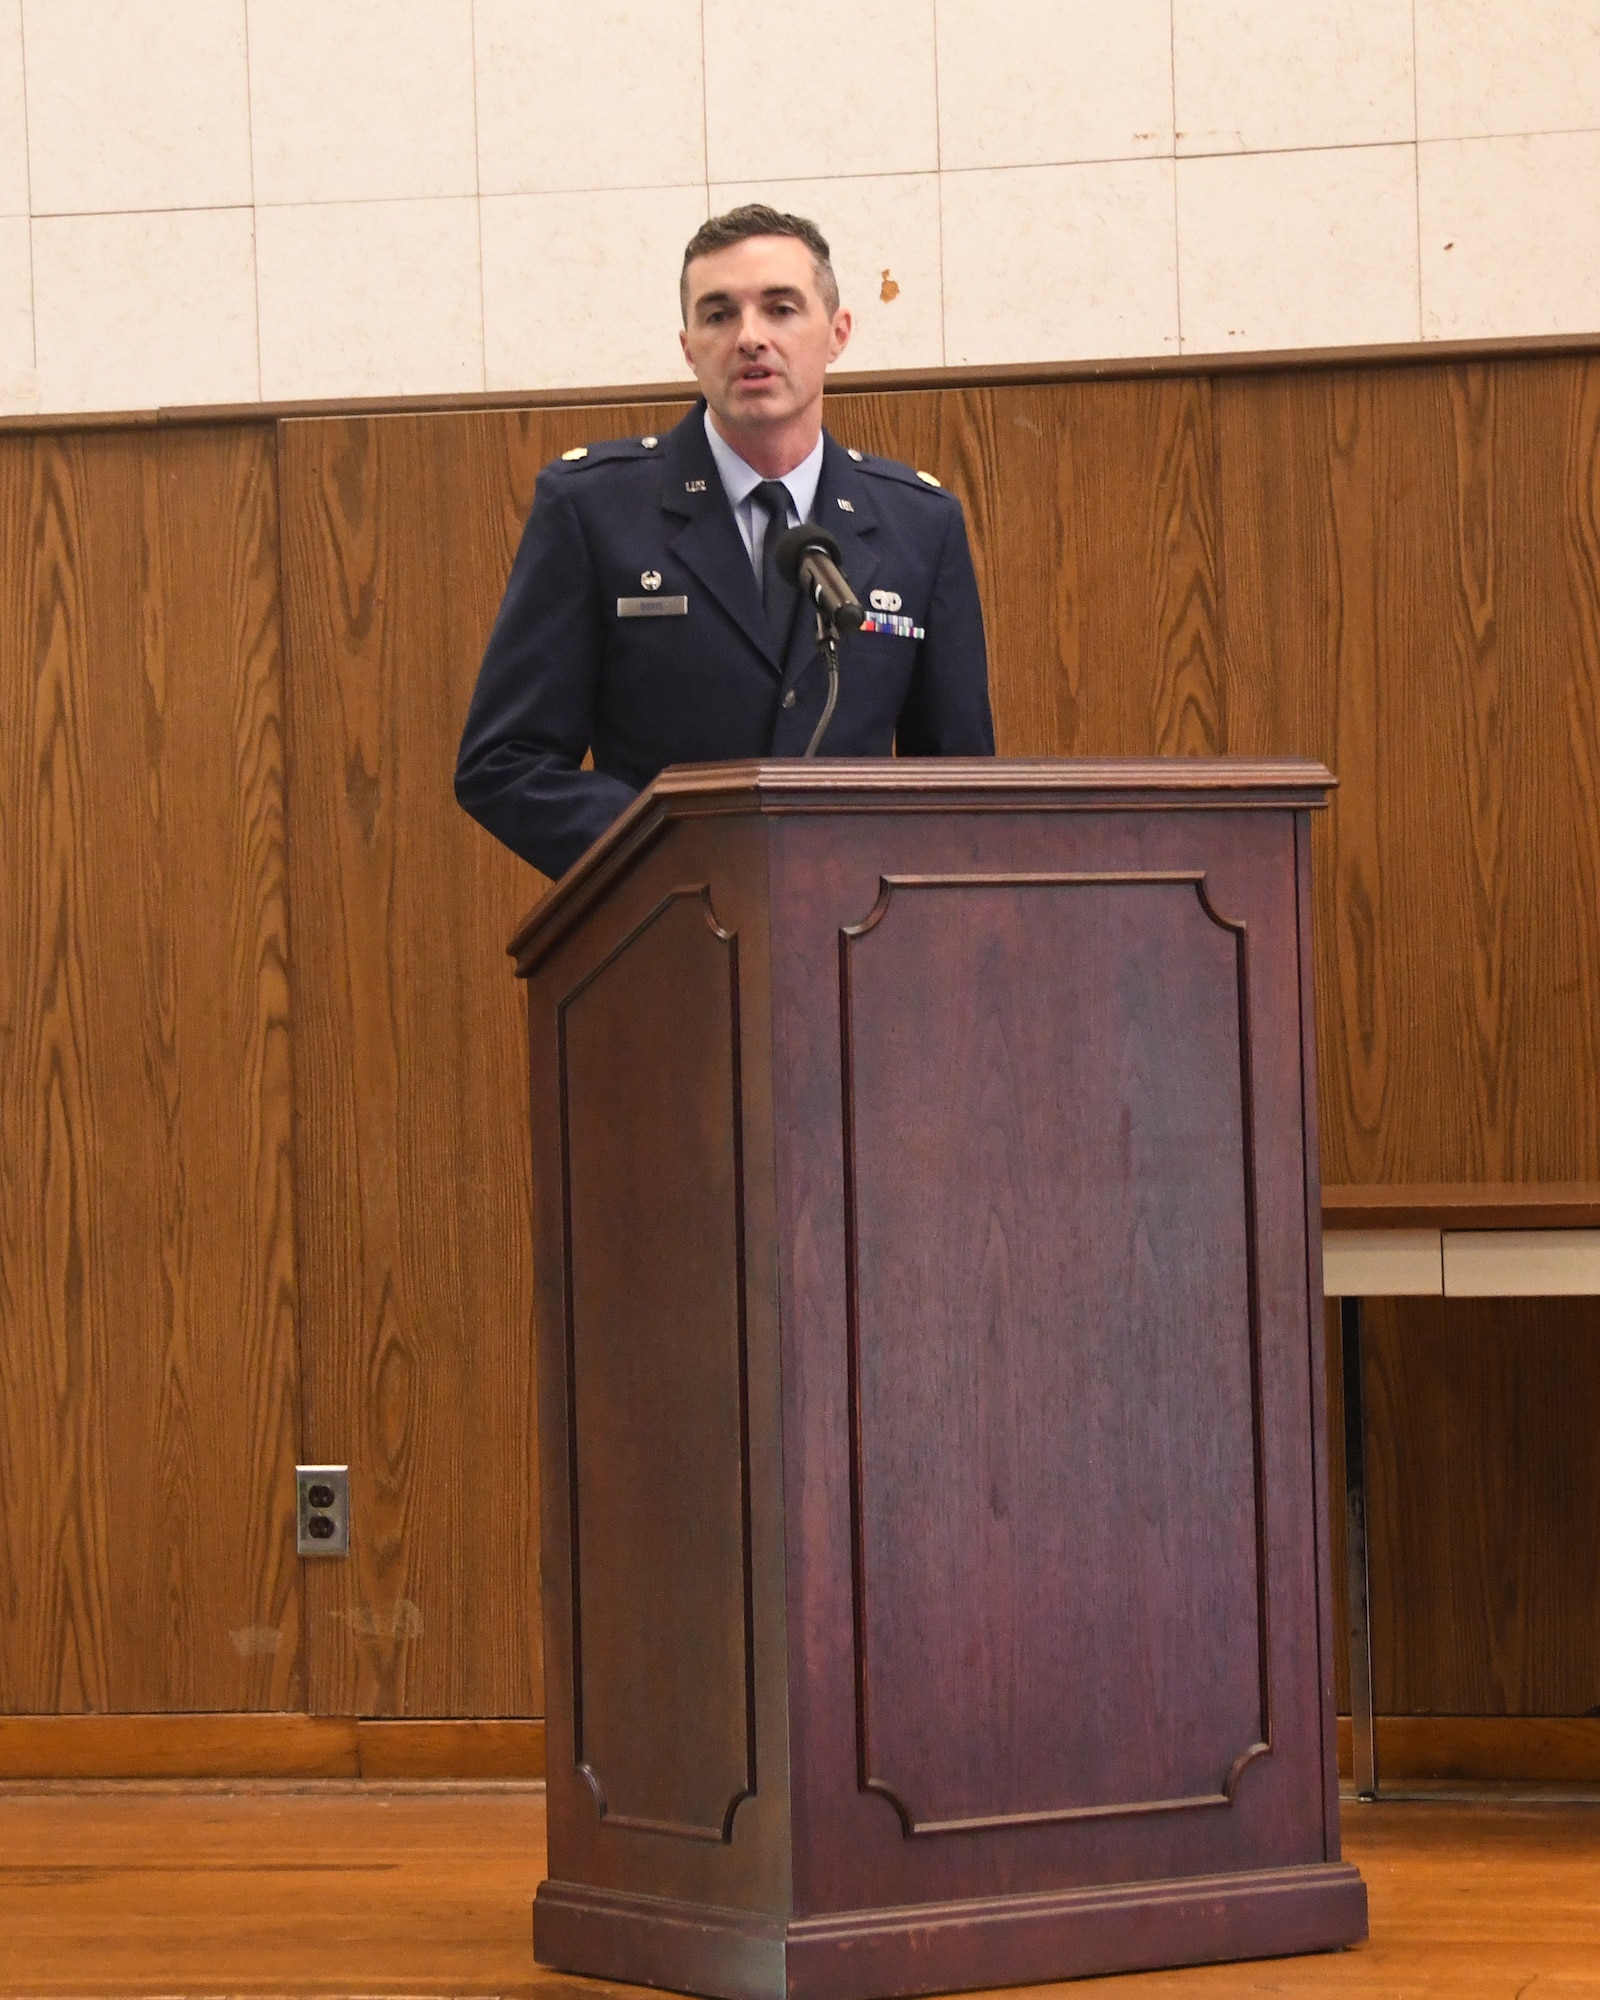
(756,219)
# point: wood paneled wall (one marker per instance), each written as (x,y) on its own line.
(263,1181)
(148,1313)
(411,1152)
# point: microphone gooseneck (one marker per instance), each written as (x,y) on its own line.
(809,558)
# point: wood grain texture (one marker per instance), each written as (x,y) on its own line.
(1089,511)
(1400,588)
(1393,567)
(320,1891)
(1484,1505)
(1035,1144)
(1000,1463)
(147,1287)
(411,1132)
(1483,1508)
(1483,1749)
(1464,1205)
(271,1889)
(1396,569)
(266,1746)
(652,1117)
(178,1746)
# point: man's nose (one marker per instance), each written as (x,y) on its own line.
(751,332)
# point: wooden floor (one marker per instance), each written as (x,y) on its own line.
(108,1890)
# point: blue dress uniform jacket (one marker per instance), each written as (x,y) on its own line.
(580,658)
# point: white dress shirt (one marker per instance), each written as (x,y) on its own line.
(740,481)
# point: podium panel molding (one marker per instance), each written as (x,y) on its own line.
(664,1730)
(917,1059)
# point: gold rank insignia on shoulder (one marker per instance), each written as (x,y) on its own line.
(928,476)
(577,451)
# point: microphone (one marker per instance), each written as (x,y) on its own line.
(809,558)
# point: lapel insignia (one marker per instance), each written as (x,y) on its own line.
(694,486)
(849,506)
(651,579)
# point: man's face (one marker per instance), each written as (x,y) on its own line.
(759,337)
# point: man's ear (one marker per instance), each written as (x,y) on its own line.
(843,327)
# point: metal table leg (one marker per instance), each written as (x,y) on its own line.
(1363,1728)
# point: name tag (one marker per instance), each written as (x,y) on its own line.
(652,607)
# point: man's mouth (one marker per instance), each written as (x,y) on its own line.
(757,374)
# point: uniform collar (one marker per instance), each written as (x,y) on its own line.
(709,542)
(740,479)
(708,539)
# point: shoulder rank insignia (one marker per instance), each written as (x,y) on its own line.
(577,451)
(649,443)
(928,476)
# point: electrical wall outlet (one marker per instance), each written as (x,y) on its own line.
(322,1510)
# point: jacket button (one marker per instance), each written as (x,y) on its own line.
(788,700)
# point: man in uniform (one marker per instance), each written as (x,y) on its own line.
(645,620)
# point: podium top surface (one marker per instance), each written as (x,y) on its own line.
(911,784)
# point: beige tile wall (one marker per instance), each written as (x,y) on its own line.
(220,200)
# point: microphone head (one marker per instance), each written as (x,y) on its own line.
(800,542)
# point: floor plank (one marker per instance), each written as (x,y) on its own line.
(123,1890)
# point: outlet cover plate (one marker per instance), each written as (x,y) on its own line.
(322,1510)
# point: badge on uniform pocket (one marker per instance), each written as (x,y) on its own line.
(652,607)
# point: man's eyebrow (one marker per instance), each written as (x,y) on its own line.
(727,299)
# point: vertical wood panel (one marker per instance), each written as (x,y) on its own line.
(412,1134)
(1401,566)
(1000,1461)
(147,1347)
(1411,576)
(1485,1505)
(1091,512)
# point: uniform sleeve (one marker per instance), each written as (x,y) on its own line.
(532,715)
(946,710)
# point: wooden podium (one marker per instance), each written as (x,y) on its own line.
(935,1524)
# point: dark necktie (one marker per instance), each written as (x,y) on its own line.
(772,497)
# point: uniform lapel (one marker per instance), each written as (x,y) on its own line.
(709,543)
(855,528)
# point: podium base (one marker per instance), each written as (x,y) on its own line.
(946,1947)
